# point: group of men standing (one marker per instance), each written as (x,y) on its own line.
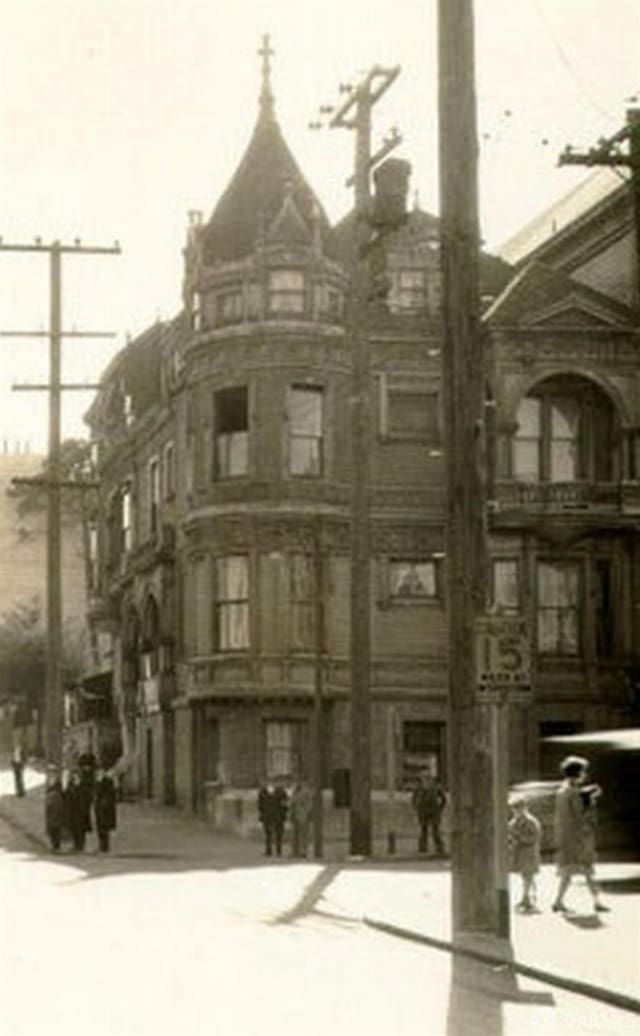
(87,796)
(275,805)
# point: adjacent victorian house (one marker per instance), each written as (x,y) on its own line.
(223,450)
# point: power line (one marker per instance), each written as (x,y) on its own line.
(569,66)
(54,483)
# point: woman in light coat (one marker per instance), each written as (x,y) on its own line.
(575,830)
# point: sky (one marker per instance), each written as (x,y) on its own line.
(119,116)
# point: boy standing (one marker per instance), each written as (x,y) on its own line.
(525,836)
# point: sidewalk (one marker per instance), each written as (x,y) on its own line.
(595,954)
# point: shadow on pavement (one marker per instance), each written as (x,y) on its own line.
(478,993)
(308,902)
(586,922)
(153,839)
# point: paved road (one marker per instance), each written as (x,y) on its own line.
(94,946)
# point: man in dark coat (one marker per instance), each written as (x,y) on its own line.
(104,808)
(429,800)
(78,801)
(272,810)
(17,765)
(54,808)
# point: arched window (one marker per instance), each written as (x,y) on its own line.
(565,433)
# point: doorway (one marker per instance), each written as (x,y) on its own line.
(206,754)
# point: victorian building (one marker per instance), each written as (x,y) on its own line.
(223,451)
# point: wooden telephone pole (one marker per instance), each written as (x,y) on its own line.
(355,114)
(607,153)
(472,775)
(55,334)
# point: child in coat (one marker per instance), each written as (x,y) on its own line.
(525,836)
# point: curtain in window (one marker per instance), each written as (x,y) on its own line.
(281,754)
(506,592)
(305,431)
(526,446)
(305,412)
(232,454)
(232,602)
(565,433)
(412,579)
(558,608)
(302,603)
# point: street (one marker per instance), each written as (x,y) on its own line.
(152,944)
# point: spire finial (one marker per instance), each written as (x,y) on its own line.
(266,52)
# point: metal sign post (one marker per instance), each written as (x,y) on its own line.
(503,678)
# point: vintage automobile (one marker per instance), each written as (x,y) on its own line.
(614,763)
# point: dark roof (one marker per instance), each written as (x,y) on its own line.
(494,273)
(141,368)
(267,174)
(419,225)
(538,293)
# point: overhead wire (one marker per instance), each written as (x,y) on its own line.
(576,78)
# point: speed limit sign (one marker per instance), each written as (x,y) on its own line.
(503,659)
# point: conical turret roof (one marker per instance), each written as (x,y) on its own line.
(267,175)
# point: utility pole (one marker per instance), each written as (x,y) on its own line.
(607,153)
(53,689)
(473,857)
(355,114)
(318,718)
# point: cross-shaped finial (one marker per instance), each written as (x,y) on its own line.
(266,52)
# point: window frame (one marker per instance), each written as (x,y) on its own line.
(154,497)
(229,305)
(222,605)
(579,609)
(586,398)
(499,606)
(294,752)
(436,750)
(294,436)
(220,471)
(169,470)
(302,604)
(407,298)
(391,599)
(397,387)
(126,517)
(287,294)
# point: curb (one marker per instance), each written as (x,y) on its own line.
(607,996)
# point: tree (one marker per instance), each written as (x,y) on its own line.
(23,646)
(75,466)
(79,506)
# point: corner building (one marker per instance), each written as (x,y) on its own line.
(224,455)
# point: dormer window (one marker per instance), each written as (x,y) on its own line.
(407,289)
(329,302)
(286,291)
(229,306)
